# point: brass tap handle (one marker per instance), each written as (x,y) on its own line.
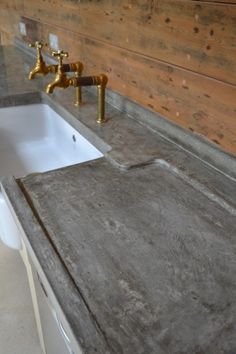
(40,66)
(38,45)
(60,54)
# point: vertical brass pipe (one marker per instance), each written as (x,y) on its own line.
(78,92)
(101,104)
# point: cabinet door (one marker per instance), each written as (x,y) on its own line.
(55,338)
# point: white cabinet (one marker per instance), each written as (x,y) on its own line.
(54,331)
(9,231)
(56,339)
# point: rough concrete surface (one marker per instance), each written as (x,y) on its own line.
(153,258)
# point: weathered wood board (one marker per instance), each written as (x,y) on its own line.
(177,58)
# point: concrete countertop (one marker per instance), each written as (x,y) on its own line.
(139,246)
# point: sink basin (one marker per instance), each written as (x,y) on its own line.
(34,138)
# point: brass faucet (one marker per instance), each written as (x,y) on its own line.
(40,66)
(43,69)
(62,81)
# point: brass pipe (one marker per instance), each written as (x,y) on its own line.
(99,81)
(62,81)
(78,92)
(102,82)
(67,68)
(101,104)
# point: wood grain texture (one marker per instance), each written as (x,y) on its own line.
(197,36)
(174,57)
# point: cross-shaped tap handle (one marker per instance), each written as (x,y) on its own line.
(38,45)
(60,54)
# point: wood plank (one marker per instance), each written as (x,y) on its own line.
(13,5)
(196,35)
(193,101)
(228,2)
(9,25)
(6,38)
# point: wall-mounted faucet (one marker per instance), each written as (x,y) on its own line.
(42,68)
(62,81)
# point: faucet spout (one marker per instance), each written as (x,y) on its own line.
(42,69)
(61,81)
(50,87)
(32,73)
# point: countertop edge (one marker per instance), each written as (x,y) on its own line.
(42,249)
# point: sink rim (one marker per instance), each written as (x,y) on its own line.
(81,150)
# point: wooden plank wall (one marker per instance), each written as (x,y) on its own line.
(176,57)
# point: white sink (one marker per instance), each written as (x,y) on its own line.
(34,138)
